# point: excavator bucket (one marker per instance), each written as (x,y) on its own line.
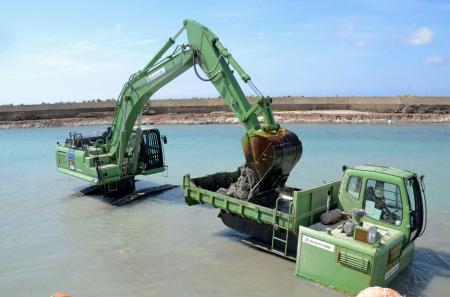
(270,157)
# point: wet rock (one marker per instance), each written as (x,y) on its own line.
(148,111)
(410,108)
(400,108)
(242,187)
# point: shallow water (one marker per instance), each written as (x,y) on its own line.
(51,241)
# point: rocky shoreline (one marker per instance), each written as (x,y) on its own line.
(322,116)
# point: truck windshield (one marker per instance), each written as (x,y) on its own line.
(382,201)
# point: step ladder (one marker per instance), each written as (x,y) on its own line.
(282,230)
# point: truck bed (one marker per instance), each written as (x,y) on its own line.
(304,207)
(202,190)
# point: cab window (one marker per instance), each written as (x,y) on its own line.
(354,186)
(382,201)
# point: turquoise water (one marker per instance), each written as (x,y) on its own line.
(51,241)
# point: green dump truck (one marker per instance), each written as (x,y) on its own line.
(348,234)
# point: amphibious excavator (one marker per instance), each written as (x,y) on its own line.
(124,150)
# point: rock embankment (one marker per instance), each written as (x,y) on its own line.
(101,109)
(220,117)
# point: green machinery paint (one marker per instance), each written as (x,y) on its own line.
(114,159)
(326,254)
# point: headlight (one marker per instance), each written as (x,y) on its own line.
(372,235)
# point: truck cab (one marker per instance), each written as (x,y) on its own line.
(387,212)
(391,198)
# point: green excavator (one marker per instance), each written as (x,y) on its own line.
(126,149)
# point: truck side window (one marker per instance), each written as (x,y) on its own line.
(382,201)
(354,186)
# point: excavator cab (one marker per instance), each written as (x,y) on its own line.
(87,157)
(151,154)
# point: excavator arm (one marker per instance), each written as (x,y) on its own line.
(270,151)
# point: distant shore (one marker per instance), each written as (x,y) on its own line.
(324,116)
(287,109)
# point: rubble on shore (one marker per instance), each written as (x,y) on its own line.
(313,116)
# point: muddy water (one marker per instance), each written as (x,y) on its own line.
(50,241)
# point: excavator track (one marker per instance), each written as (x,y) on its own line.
(125,199)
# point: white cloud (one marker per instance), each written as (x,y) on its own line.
(353,33)
(422,36)
(360,43)
(79,47)
(118,28)
(287,34)
(347,29)
(111,49)
(434,60)
(262,48)
(140,42)
(56,67)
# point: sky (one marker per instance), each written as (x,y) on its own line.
(52,51)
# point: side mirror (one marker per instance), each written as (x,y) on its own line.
(344,167)
(164,139)
(422,177)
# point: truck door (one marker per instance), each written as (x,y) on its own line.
(350,194)
(416,207)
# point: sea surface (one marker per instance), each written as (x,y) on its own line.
(51,241)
